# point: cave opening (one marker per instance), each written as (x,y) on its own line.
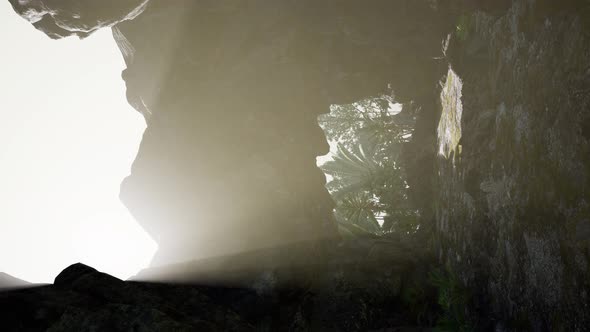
(365,169)
(68,139)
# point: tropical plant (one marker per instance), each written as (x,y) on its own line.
(368,181)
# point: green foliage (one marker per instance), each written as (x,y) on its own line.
(358,209)
(368,180)
(417,298)
(453,300)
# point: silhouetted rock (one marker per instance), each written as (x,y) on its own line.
(347,293)
(84,299)
(8,282)
(73,273)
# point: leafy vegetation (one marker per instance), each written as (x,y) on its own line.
(368,181)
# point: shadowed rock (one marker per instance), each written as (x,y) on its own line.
(337,296)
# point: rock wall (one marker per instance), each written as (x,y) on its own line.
(231,94)
(513,169)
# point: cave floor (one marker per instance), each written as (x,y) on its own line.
(362,286)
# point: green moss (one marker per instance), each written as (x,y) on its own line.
(453,298)
(417,297)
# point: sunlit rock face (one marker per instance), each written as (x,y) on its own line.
(62,18)
(512,209)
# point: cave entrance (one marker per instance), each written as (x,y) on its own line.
(68,139)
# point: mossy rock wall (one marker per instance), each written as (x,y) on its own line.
(512,200)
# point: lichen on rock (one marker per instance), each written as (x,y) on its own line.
(449,126)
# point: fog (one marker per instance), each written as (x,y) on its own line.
(67,138)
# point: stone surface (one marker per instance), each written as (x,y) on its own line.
(511,193)
(62,18)
(350,292)
(7,282)
(231,91)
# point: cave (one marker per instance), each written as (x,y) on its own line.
(226,177)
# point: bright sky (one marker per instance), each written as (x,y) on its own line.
(67,139)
